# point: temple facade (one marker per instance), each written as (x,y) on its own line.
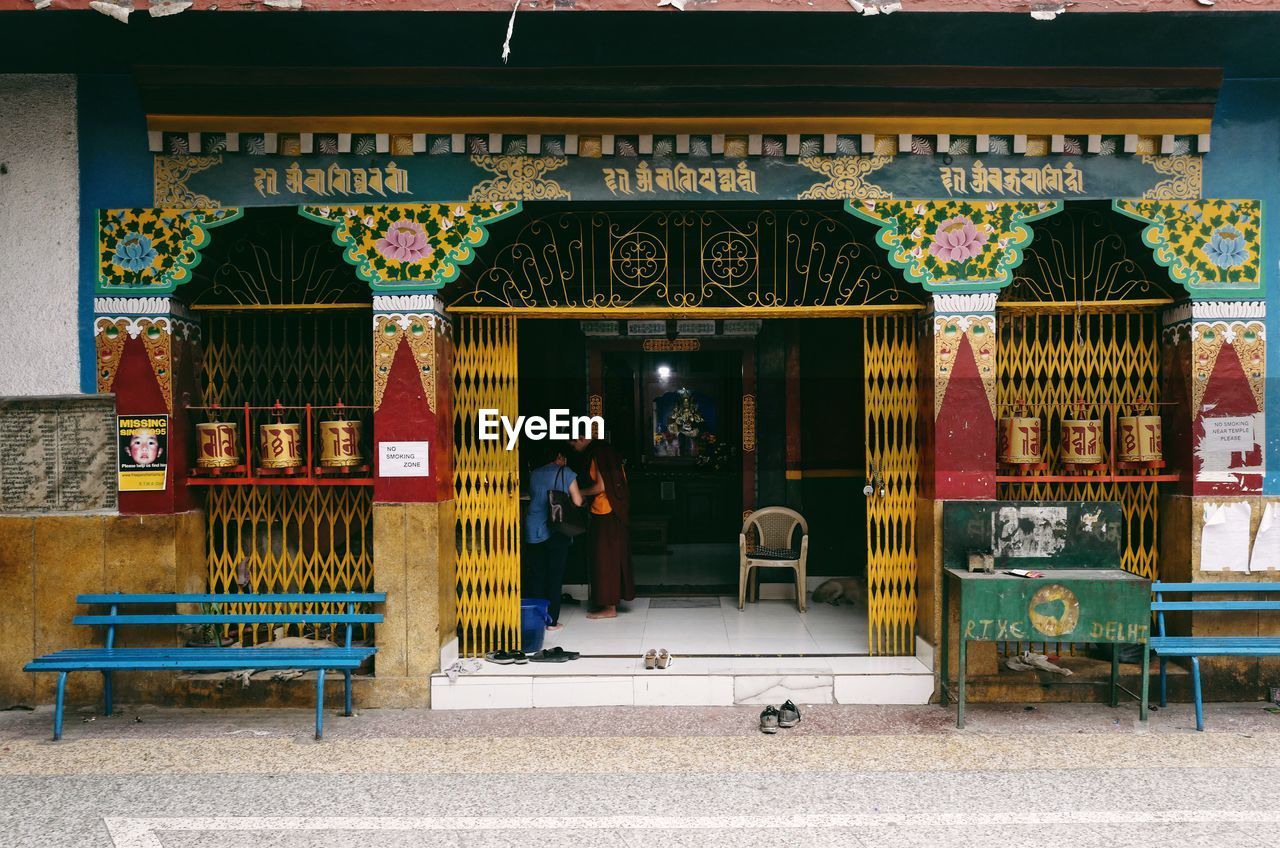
(859,268)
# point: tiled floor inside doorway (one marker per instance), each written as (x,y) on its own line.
(768,627)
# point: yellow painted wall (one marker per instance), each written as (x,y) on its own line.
(46,561)
(413,556)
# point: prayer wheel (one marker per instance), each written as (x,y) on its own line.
(1020,441)
(1082,441)
(1138,438)
(280,445)
(339,443)
(217,445)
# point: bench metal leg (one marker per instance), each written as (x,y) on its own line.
(108,702)
(1195,681)
(57,708)
(1164,683)
(319,703)
(1146,682)
(347,693)
(944,644)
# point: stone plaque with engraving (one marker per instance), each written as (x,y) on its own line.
(57,454)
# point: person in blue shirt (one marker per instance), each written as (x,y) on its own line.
(548,550)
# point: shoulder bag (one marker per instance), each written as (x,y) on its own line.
(563,515)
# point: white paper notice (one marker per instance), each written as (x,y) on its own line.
(1227,433)
(1266,545)
(1224,541)
(403,459)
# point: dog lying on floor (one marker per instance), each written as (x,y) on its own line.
(847,589)
(280,641)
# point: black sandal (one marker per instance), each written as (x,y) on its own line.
(562,655)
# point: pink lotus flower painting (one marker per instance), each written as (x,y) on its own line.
(957,240)
(405,241)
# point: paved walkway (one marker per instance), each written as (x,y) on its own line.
(1079,775)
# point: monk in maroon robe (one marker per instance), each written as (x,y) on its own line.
(608,529)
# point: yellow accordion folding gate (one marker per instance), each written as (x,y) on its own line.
(889,357)
(288,539)
(486,486)
(1055,360)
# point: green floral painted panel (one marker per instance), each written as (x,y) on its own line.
(954,245)
(153,249)
(1212,246)
(423,245)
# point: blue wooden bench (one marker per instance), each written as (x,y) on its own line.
(1195,647)
(109,659)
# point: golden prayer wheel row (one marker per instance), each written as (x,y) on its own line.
(279,444)
(1137,440)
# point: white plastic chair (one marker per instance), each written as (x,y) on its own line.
(774,527)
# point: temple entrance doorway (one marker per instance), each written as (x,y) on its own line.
(741,359)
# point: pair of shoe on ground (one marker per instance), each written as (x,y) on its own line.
(788,715)
(658,659)
(556,654)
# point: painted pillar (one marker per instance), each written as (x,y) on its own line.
(957,393)
(957,423)
(1214,370)
(412,395)
(412,510)
(147,353)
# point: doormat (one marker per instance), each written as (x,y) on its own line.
(683,603)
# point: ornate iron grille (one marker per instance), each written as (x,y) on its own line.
(274,257)
(1087,253)
(679,259)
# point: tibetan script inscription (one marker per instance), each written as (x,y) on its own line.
(681,179)
(57,454)
(980,180)
(334,180)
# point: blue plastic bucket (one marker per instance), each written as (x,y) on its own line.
(534,619)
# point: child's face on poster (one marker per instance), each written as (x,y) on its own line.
(144,447)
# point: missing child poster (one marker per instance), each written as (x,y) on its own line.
(144,455)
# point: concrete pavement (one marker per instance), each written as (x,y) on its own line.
(1082,775)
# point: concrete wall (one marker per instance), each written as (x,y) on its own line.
(1181,529)
(39,217)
